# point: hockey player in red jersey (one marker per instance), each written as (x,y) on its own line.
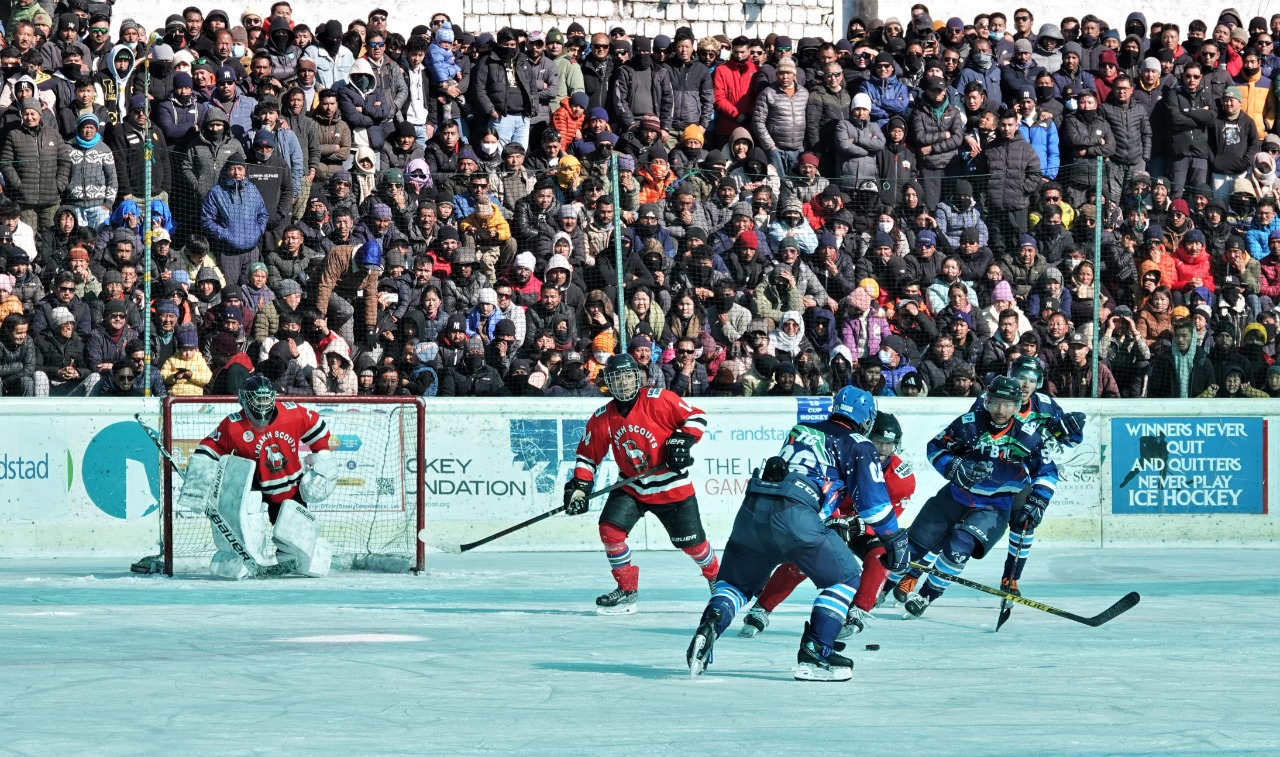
(644,428)
(886,435)
(251,470)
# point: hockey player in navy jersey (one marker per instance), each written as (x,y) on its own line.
(1040,414)
(782,519)
(988,457)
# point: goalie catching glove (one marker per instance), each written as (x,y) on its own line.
(679,451)
(1030,514)
(575,496)
(320,478)
(967,473)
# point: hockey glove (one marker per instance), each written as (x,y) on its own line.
(1030,514)
(679,451)
(897,553)
(575,496)
(842,527)
(1070,428)
(967,473)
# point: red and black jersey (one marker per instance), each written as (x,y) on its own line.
(899,480)
(638,441)
(277,447)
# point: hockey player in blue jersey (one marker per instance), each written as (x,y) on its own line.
(988,457)
(1040,414)
(782,519)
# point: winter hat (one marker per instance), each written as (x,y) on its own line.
(882,239)
(168,306)
(1026,240)
(187,337)
(233,313)
(288,287)
(1022,46)
(559,262)
(525,260)
(926,238)
(487,296)
(59,316)
(183,79)
(505,327)
(1002,292)
(693,131)
(861,100)
(445,33)
(110,277)
(827,239)
(1180,206)
(626,163)
(1195,235)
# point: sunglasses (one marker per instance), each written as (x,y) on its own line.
(686,352)
(504,295)
(98,30)
(377,44)
(66,289)
(250,20)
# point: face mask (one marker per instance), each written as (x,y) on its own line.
(964,203)
(884,356)
(237,50)
(724,55)
(643,61)
(914,62)
(573,374)
(72,70)
(982,60)
(995,37)
(506,53)
(489,148)
(1044,93)
(885,226)
(601,356)
(1088,40)
(1071,105)
(1072,263)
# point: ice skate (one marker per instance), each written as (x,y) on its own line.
(915,605)
(754,623)
(856,622)
(905,588)
(816,662)
(1010,585)
(699,654)
(616,602)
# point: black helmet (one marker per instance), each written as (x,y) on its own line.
(1004,388)
(624,377)
(258,398)
(1028,364)
(887,429)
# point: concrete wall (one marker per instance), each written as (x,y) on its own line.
(797,18)
(81,477)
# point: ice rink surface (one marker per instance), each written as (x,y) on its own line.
(496,653)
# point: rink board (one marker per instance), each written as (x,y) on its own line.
(81,478)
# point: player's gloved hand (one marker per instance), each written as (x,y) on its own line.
(841,525)
(967,473)
(575,496)
(1030,514)
(1069,429)
(679,451)
(897,553)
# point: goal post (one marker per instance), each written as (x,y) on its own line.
(373,517)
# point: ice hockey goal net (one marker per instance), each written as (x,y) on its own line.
(373,517)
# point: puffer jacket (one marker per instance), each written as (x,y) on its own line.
(694,99)
(857,145)
(35,165)
(990,79)
(18,361)
(490,86)
(779,119)
(390,78)
(1131,126)
(1014,169)
(1042,135)
(926,126)
(1094,137)
(233,217)
(200,161)
(889,98)
(284,63)
(658,79)
(824,111)
(368,113)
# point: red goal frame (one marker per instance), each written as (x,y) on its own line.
(419,405)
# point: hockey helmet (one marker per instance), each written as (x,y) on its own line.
(856,405)
(1028,365)
(1004,388)
(258,399)
(624,377)
(886,433)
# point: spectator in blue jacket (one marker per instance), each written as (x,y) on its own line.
(889,96)
(234,218)
(1041,133)
(982,68)
(960,214)
(1258,231)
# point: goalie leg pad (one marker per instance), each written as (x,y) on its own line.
(200,482)
(242,512)
(297,537)
(229,565)
(320,478)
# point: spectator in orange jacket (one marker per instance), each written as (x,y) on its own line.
(568,119)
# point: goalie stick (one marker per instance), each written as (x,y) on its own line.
(425,538)
(1126,603)
(149,564)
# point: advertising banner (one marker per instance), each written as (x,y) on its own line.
(1188,465)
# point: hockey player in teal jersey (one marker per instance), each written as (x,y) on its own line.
(988,457)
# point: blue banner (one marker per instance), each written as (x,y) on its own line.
(1188,465)
(812,409)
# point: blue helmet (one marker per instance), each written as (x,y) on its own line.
(855,404)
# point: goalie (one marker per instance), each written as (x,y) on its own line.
(250,471)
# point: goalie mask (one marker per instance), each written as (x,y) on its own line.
(624,377)
(258,399)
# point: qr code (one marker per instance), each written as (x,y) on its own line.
(386,487)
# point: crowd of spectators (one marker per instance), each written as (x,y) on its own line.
(392,207)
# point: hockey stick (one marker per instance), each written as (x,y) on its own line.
(1126,603)
(425,538)
(1006,606)
(211,513)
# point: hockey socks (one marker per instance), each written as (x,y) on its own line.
(1019,548)
(783,581)
(727,600)
(873,580)
(705,557)
(619,554)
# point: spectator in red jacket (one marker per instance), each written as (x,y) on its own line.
(1192,264)
(731,83)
